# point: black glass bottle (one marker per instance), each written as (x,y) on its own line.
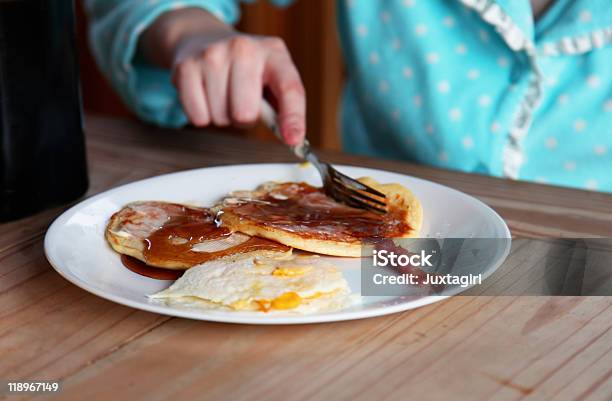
(42,149)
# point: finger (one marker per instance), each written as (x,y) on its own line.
(187,79)
(283,79)
(215,69)
(245,81)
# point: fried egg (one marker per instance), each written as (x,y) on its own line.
(294,284)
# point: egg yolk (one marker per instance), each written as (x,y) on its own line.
(263,304)
(288,300)
(291,271)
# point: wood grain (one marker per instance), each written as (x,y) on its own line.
(472,348)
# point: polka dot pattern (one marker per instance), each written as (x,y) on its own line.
(449,21)
(433,58)
(455,114)
(495,127)
(580,125)
(473,74)
(444,87)
(593,81)
(432,76)
(468,142)
(420,29)
(484,100)
(374,58)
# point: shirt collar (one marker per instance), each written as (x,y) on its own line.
(573,18)
(564,21)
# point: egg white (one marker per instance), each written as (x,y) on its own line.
(262,284)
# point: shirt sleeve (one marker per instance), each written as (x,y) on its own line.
(115,26)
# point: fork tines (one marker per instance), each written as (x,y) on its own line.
(354,193)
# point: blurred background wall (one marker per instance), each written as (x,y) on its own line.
(309,29)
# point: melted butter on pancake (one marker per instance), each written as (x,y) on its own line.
(218,245)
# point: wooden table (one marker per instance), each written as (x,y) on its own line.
(472,348)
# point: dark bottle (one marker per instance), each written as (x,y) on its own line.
(42,144)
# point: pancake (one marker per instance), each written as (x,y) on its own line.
(303,217)
(175,236)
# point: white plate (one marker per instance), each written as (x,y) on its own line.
(76,248)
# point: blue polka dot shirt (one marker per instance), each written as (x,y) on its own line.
(472,85)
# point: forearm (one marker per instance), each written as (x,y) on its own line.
(160,42)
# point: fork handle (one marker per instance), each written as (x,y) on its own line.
(270,118)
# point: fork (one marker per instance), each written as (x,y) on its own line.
(339,186)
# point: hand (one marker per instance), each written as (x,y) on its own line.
(221,74)
(220,79)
